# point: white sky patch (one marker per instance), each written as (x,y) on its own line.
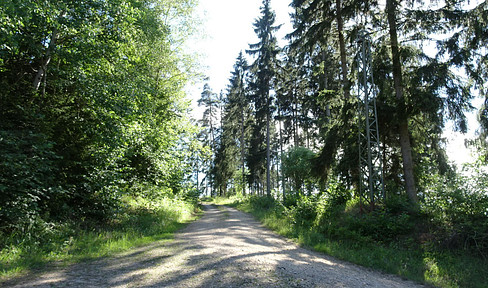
(228,28)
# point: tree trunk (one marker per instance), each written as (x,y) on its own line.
(242,153)
(295,114)
(281,158)
(326,85)
(268,158)
(342,48)
(41,72)
(403,126)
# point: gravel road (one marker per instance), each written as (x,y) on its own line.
(225,248)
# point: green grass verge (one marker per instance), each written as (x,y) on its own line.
(141,223)
(437,268)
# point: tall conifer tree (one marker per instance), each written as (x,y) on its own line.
(263,72)
(238,111)
(209,122)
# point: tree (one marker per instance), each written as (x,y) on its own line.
(209,122)
(263,71)
(403,125)
(238,111)
(93,95)
(297,165)
(315,37)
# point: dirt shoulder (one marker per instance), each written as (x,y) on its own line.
(225,248)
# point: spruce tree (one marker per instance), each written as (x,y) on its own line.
(263,72)
(209,122)
(237,112)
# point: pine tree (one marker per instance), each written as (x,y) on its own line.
(398,86)
(209,122)
(238,111)
(427,91)
(263,72)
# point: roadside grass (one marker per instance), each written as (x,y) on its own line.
(141,223)
(421,264)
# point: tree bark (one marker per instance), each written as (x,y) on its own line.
(403,121)
(41,72)
(242,149)
(281,157)
(268,155)
(342,48)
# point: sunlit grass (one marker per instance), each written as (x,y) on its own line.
(229,201)
(143,222)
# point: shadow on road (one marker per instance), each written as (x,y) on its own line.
(222,249)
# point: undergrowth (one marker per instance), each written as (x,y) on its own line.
(393,239)
(140,222)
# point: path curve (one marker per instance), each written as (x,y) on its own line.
(225,248)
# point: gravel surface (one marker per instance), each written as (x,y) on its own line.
(225,248)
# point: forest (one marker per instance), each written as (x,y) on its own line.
(338,135)
(93,133)
(96,137)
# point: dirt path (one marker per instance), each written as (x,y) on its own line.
(225,248)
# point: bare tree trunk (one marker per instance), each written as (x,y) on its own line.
(268,155)
(342,48)
(403,126)
(212,141)
(41,72)
(198,184)
(294,121)
(326,85)
(281,158)
(242,153)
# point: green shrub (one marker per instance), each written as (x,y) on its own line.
(264,203)
(27,177)
(459,214)
(380,225)
(303,214)
(291,200)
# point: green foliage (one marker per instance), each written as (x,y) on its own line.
(92,108)
(459,211)
(391,238)
(27,165)
(297,166)
(262,74)
(303,213)
(263,203)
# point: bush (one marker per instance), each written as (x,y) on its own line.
(303,214)
(298,167)
(27,177)
(459,213)
(264,203)
(381,225)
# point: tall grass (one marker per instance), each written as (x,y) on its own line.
(139,223)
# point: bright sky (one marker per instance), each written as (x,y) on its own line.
(228,29)
(228,25)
